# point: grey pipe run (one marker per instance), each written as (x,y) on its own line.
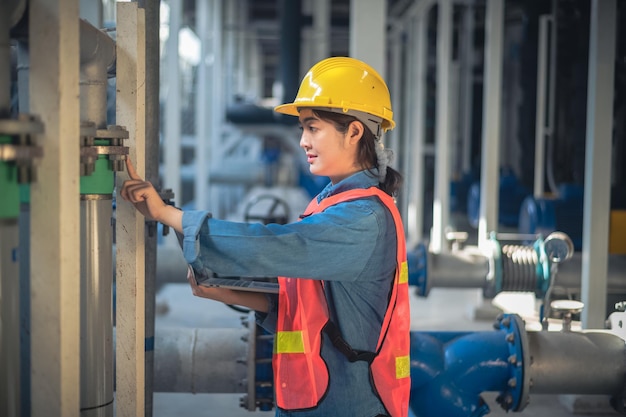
(213,360)
(10,381)
(97,56)
(468,268)
(10,316)
(200,360)
(96,344)
(589,363)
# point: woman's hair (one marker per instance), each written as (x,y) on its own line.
(366,154)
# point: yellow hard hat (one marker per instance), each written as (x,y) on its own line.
(344,84)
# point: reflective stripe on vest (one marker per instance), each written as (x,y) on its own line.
(301,376)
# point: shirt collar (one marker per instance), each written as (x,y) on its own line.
(362,179)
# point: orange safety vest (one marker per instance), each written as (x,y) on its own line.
(300,373)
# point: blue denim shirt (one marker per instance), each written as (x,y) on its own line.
(351,246)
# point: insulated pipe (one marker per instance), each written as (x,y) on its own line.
(97,55)
(200,360)
(9,267)
(290,31)
(5,60)
(470,268)
(96,306)
(23,82)
(590,362)
(10,317)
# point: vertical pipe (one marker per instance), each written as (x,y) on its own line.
(153,59)
(97,53)
(9,314)
(368,19)
(55,245)
(492,93)
(290,26)
(597,196)
(9,268)
(540,118)
(23,72)
(171,138)
(5,59)
(216,105)
(467,85)
(441,205)
(203,97)
(321,30)
(96,300)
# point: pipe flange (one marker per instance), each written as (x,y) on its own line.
(22,149)
(112,132)
(516,396)
(10,152)
(25,124)
(493,281)
(114,150)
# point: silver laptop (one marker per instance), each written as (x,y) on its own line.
(208,278)
(266,285)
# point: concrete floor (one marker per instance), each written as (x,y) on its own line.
(443,309)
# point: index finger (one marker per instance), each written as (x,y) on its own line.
(131,170)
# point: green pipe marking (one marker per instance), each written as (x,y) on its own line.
(9,188)
(102,180)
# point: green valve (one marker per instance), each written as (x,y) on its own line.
(9,188)
(102,180)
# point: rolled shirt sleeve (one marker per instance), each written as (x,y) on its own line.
(332,245)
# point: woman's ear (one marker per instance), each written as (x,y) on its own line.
(355,131)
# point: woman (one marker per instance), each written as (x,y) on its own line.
(341,319)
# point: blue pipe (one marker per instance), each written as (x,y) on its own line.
(449,370)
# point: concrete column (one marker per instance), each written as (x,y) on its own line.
(130,228)
(55,234)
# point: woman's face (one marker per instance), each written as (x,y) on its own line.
(329,152)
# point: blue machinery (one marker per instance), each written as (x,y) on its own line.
(450,370)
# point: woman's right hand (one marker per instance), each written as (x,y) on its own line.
(147,200)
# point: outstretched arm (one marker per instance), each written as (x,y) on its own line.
(147,200)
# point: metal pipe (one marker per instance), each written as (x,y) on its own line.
(5,59)
(200,360)
(97,55)
(576,363)
(10,316)
(10,363)
(470,268)
(96,307)
(23,81)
